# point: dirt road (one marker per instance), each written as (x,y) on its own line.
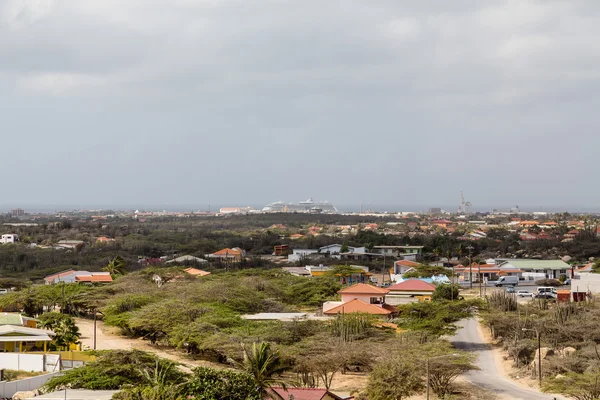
(490,377)
(106,339)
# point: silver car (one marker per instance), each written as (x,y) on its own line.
(525,293)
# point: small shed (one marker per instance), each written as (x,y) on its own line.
(563,296)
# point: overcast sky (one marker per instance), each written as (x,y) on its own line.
(158,102)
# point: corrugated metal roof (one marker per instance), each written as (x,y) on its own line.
(537,264)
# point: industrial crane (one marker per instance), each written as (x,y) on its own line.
(465,206)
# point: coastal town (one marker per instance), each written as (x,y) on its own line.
(299,200)
(346,286)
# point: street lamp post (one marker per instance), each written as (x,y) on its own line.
(427,368)
(539,353)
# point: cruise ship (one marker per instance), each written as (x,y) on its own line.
(307,206)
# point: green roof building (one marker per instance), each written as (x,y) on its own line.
(550,268)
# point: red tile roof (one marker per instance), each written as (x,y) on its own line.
(358,306)
(363,288)
(407,263)
(303,394)
(228,251)
(94,278)
(412,285)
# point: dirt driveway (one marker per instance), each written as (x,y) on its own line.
(107,338)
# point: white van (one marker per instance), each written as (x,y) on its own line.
(507,281)
(546,289)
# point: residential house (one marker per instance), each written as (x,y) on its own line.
(186,260)
(278,393)
(9,238)
(402,266)
(336,249)
(70,244)
(485,271)
(18,334)
(296,236)
(361,275)
(297,271)
(72,276)
(409,291)
(586,269)
(229,255)
(407,252)
(538,269)
(359,298)
(300,254)
(358,256)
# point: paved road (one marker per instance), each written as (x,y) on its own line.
(469,339)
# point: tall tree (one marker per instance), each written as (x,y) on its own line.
(394,379)
(116,266)
(265,366)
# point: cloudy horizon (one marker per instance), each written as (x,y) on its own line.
(244,102)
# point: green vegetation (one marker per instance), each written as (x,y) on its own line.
(265,366)
(435,318)
(115,370)
(445,292)
(67,333)
(146,377)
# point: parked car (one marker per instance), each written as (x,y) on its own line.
(525,293)
(510,289)
(545,296)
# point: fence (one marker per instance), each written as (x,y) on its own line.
(8,389)
(44,362)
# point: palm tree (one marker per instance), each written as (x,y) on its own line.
(116,266)
(265,366)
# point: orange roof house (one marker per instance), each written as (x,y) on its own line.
(236,254)
(51,278)
(296,236)
(402,266)
(278,393)
(412,285)
(363,288)
(357,306)
(361,298)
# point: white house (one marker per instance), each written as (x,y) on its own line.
(299,254)
(9,238)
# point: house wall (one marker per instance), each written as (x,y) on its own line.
(328,305)
(585,283)
(363,297)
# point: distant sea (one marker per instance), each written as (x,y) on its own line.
(342,208)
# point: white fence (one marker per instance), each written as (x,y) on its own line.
(30,362)
(8,389)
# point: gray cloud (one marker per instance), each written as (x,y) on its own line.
(388,102)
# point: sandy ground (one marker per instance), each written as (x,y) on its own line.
(107,338)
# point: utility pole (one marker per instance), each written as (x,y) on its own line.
(538,334)
(469,247)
